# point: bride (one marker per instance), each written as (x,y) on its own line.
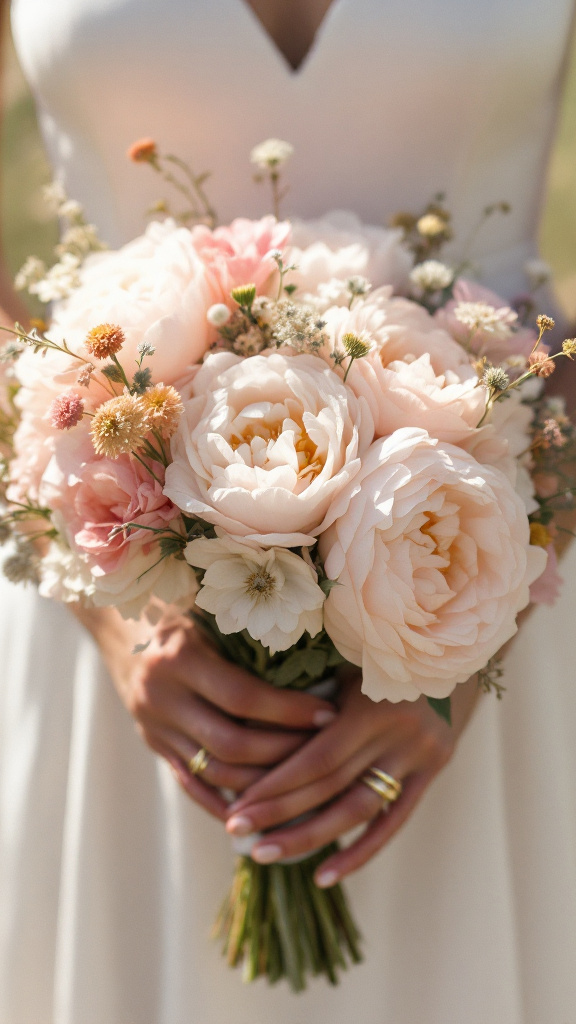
(110,870)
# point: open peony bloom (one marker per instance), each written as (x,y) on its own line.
(241,254)
(273,594)
(496,335)
(265,445)
(432,553)
(156,288)
(414,372)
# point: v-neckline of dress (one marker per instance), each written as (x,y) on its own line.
(315,43)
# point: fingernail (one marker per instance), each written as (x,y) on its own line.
(324,879)
(323,717)
(266,854)
(239,825)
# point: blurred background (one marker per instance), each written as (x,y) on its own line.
(28,229)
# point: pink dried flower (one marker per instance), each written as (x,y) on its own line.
(552,434)
(541,365)
(66,411)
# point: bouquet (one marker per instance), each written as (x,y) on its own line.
(327,444)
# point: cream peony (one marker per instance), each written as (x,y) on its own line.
(414,373)
(340,246)
(156,288)
(273,594)
(265,446)
(432,553)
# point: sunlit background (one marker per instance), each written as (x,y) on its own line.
(26,227)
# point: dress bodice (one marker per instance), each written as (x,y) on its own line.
(393,103)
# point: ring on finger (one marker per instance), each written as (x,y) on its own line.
(386,786)
(199,762)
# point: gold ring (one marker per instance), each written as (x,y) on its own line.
(199,762)
(388,791)
(389,780)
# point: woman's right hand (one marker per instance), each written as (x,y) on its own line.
(183,696)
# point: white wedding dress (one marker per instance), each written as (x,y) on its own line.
(109,876)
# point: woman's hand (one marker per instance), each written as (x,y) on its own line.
(407,740)
(184,696)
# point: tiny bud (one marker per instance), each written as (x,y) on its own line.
(355,346)
(431,225)
(495,379)
(244,295)
(143,151)
(218,314)
(545,323)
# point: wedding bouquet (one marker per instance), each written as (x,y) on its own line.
(321,439)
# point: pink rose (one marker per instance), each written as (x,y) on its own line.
(240,254)
(91,496)
(265,445)
(433,558)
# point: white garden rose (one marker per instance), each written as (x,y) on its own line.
(264,446)
(272,593)
(432,554)
(156,289)
(340,246)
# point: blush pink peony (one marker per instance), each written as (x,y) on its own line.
(241,254)
(265,445)
(432,553)
(498,341)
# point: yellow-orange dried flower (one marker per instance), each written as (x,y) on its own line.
(545,323)
(539,535)
(118,426)
(541,365)
(105,340)
(38,324)
(163,407)
(143,151)
(431,225)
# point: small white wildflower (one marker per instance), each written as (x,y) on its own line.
(54,196)
(80,239)
(72,210)
(480,316)
(218,314)
(495,379)
(538,273)
(60,280)
(432,276)
(271,154)
(64,576)
(358,285)
(146,348)
(30,273)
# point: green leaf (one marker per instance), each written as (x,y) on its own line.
(442,706)
(113,373)
(307,662)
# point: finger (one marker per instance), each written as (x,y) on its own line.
(245,696)
(378,833)
(207,797)
(355,807)
(323,755)
(269,814)
(229,741)
(216,773)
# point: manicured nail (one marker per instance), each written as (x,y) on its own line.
(324,879)
(266,854)
(239,825)
(323,717)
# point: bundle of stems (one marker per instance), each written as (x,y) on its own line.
(275,921)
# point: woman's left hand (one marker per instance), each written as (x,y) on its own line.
(408,741)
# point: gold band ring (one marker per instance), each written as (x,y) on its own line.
(389,780)
(377,780)
(199,762)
